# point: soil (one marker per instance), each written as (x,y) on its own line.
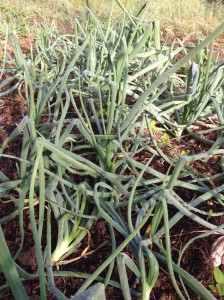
(196,259)
(190,40)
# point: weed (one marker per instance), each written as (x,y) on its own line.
(219,278)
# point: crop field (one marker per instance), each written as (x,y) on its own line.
(24,16)
(111,150)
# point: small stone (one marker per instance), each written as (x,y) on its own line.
(217,252)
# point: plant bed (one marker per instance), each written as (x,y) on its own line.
(111,162)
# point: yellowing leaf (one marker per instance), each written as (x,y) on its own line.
(148,230)
(153,126)
(1,54)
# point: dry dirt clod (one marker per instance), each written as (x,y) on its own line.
(28,258)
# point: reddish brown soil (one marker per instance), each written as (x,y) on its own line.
(190,40)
